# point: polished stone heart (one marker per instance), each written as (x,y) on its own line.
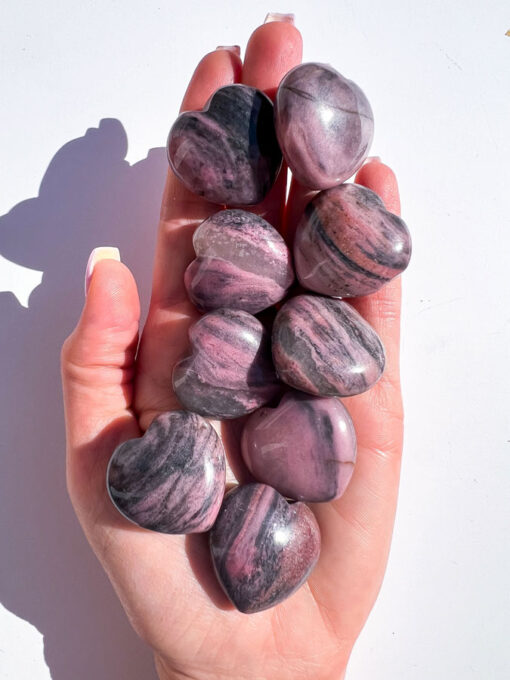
(347,244)
(305,447)
(228,153)
(324,125)
(263,548)
(242,263)
(230,372)
(324,347)
(172,479)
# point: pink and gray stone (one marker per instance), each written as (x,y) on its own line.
(263,548)
(172,479)
(347,243)
(228,152)
(305,447)
(242,263)
(229,372)
(324,124)
(324,347)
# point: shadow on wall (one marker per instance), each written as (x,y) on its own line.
(89,196)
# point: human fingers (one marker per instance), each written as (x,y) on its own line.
(382,309)
(97,374)
(165,336)
(356,529)
(98,361)
(299,197)
(273,49)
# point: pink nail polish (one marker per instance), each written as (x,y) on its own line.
(101,253)
(276,16)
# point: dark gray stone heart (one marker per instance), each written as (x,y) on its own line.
(230,372)
(263,548)
(347,244)
(172,479)
(228,153)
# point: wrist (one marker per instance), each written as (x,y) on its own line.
(165,672)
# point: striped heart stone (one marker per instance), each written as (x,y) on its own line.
(263,548)
(172,479)
(324,347)
(347,244)
(228,152)
(242,263)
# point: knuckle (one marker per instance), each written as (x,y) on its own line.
(66,353)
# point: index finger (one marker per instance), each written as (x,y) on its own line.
(182,210)
(165,336)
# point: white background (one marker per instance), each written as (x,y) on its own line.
(437,75)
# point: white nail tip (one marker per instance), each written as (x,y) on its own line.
(98,254)
(276,16)
(230,48)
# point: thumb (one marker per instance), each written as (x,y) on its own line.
(98,361)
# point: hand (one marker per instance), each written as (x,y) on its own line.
(164,582)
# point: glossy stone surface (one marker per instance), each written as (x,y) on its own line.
(262,547)
(324,125)
(230,372)
(324,347)
(305,447)
(347,243)
(172,479)
(227,153)
(242,263)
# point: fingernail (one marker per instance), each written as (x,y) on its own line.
(372,159)
(101,253)
(230,48)
(276,16)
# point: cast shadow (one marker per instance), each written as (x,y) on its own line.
(89,196)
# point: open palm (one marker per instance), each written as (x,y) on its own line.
(112,392)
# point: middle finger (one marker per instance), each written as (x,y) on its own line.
(273,49)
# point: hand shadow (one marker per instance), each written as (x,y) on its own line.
(89,196)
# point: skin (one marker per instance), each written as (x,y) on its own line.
(111,394)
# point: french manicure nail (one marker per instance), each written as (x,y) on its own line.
(230,48)
(372,159)
(276,16)
(101,253)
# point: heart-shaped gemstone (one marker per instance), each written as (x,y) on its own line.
(263,548)
(242,263)
(228,153)
(230,372)
(324,125)
(305,447)
(172,479)
(347,243)
(324,347)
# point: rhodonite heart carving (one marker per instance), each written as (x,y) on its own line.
(263,548)
(228,152)
(305,447)
(242,263)
(324,347)
(347,244)
(324,124)
(230,372)
(172,479)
